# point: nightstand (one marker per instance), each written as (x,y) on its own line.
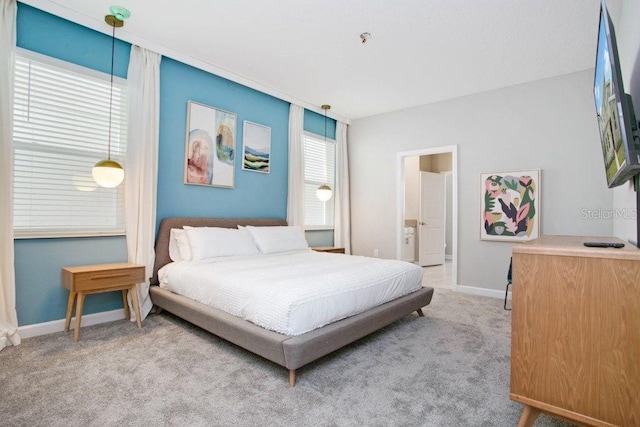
(92,279)
(331,249)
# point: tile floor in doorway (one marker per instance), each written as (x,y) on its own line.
(438,276)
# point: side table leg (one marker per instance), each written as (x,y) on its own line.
(136,307)
(125,303)
(67,320)
(79,306)
(528,417)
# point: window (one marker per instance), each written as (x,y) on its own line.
(319,169)
(61,129)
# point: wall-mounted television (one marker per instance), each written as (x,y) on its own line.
(616,119)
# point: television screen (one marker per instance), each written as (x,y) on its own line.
(616,120)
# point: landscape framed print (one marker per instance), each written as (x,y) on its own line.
(210,146)
(256,147)
(510,205)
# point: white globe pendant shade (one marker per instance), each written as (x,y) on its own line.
(107,173)
(324,193)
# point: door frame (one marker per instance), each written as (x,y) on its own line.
(453,149)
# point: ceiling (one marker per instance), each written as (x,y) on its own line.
(420,52)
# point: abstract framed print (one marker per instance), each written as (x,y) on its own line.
(510,205)
(210,146)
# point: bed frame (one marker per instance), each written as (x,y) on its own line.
(292,352)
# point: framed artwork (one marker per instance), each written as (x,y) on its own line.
(510,205)
(210,146)
(256,147)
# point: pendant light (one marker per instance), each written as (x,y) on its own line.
(108,173)
(324,192)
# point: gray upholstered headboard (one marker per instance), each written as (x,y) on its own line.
(162,239)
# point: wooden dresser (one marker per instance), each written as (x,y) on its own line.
(575,334)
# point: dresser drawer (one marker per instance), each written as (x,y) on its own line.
(88,280)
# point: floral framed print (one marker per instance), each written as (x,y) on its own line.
(510,205)
(210,146)
(256,147)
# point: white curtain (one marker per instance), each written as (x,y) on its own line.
(342,222)
(141,167)
(295,195)
(8,316)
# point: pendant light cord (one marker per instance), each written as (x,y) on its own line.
(113,47)
(325,125)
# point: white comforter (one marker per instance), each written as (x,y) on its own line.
(292,293)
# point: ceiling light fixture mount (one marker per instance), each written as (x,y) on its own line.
(324,192)
(119,13)
(364,37)
(109,173)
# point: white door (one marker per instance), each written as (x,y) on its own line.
(431,221)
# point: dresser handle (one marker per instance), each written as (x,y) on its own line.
(109,276)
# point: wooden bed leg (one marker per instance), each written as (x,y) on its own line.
(420,313)
(158,310)
(292,377)
(528,417)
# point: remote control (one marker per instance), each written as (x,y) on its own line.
(604,245)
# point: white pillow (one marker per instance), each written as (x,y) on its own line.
(183,245)
(213,242)
(179,249)
(174,252)
(277,239)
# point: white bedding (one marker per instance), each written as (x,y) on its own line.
(295,292)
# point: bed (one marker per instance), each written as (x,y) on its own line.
(289,351)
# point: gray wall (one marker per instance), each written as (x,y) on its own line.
(411,188)
(548,124)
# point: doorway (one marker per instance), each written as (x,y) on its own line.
(427,213)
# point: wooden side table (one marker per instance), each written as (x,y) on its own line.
(331,249)
(92,279)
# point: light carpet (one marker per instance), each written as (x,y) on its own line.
(450,368)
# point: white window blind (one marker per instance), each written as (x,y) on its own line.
(319,169)
(61,128)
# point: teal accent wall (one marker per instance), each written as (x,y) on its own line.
(39,294)
(254,194)
(53,36)
(319,237)
(314,123)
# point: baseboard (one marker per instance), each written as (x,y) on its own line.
(480,291)
(53,326)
